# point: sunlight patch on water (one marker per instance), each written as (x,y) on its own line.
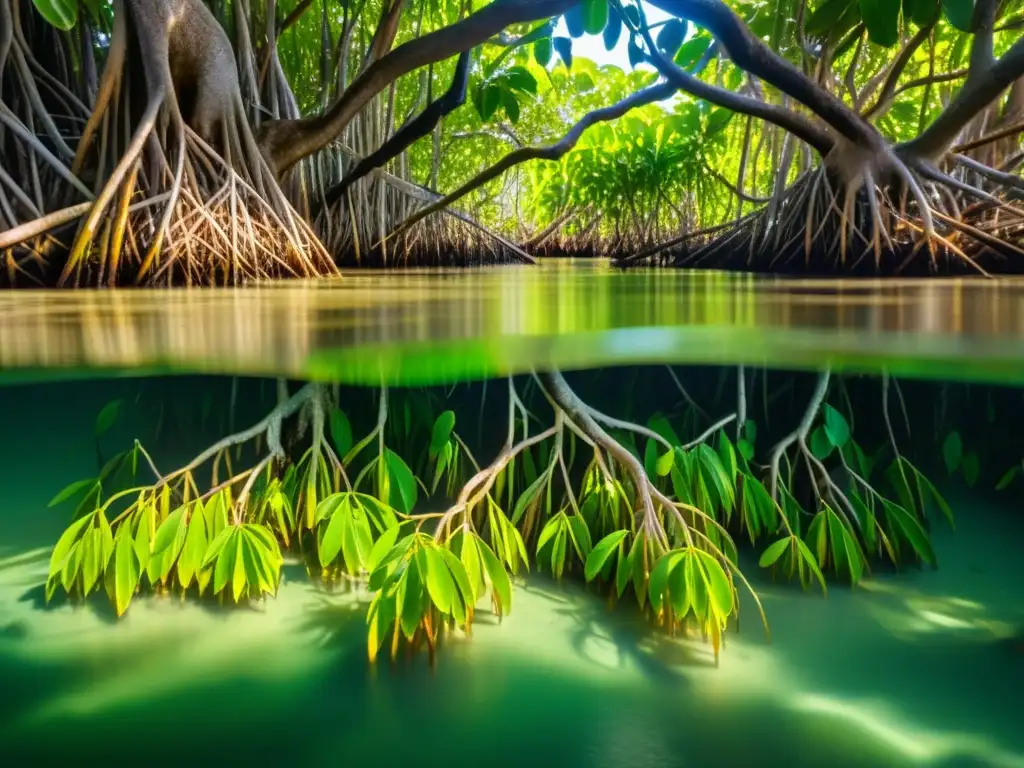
(884,723)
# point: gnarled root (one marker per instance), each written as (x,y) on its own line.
(184,196)
(355,227)
(654,525)
(869,212)
(35,174)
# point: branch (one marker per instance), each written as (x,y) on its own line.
(454,98)
(294,16)
(793,122)
(549,152)
(985,81)
(286,142)
(898,67)
(751,54)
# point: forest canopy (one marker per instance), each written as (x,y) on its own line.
(175,141)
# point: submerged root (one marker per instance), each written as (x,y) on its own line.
(573,495)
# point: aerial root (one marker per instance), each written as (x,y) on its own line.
(354,229)
(169,208)
(913,218)
(193,216)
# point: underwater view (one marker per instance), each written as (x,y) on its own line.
(574,383)
(803,551)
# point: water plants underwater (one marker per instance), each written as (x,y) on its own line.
(652,511)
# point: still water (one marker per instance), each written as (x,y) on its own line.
(924,667)
(430,326)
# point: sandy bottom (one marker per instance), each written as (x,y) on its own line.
(920,669)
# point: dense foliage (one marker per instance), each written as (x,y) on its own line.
(648,513)
(891,131)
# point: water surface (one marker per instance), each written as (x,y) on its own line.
(430,326)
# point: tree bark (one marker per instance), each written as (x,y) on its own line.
(286,142)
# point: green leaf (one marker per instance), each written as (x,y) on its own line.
(906,524)
(440,583)
(580,537)
(381,547)
(623,570)
(827,15)
(527,497)
(92,560)
(636,53)
(959,13)
(882,18)
(225,567)
(470,557)
(519,79)
(563,45)
(772,554)
(836,427)
(659,578)
(612,30)
(821,446)
(488,102)
(402,477)
(329,505)
(216,546)
(718,586)
(73,490)
(665,463)
(715,475)
(952,451)
(558,553)
(940,502)
(331,541)
(410,600)
(65,543)
(238,577)
(168,531)
(575,21)
(441,432)
(550,529)
(511,104)
(1007,478)
(498,576)
(195,547)
(143,542)
(595,16)
(811,562)
(341,431)
(670,37)
(461,576)
(126,571)
(542,51)
(696,587)
(108,415)
(600,553)
(745,449)
(923,13)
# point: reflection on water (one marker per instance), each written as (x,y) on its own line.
(430,326)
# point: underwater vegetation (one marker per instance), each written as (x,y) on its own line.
(650,507)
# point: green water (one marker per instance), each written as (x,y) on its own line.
(433,326)
(920,668)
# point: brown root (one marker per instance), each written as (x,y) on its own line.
(183,194)
(355,228)
(866,213)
